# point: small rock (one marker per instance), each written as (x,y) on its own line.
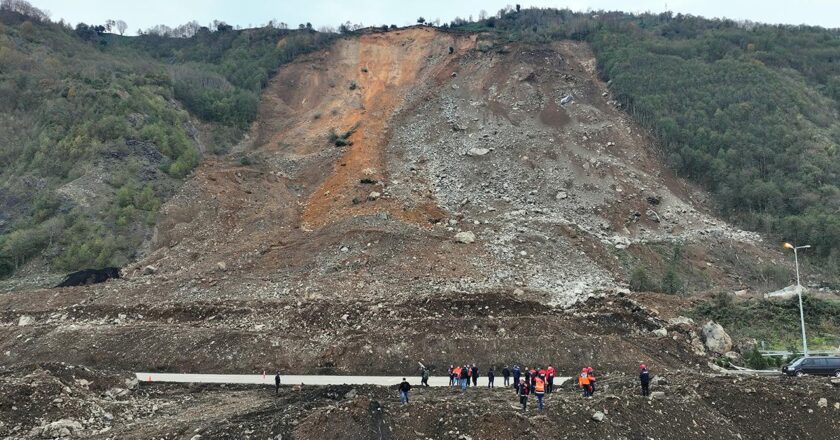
(657,395)
(26,320)
(598,416)
(473,152)
(659,380)
(561,195)
(61,428)
(661,332)
(149,270)
(681,320)
(351,394)
(222,266)
(132,383)
(374,195)
(822,403)
(465,237)
(733,356)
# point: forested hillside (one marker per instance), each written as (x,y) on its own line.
(750,111)
(96,130)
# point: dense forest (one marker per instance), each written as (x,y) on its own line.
(97,129)
(749,111)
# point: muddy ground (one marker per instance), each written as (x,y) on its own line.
(109,405)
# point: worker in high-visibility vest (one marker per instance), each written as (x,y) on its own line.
(583,381)
(539,391)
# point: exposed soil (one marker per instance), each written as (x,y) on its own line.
(98,404)
(326,258)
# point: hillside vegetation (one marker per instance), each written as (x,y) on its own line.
(747,110)
(96,130)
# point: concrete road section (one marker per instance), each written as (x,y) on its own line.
(268,379)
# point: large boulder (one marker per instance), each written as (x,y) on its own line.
(745,345)
(716,338)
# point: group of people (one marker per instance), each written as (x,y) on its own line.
(461,376)
(525,381)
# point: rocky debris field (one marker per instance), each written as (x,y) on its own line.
(485,204)
(61,401)
(335,336)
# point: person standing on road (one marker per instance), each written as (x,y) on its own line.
(451,375)
(404,389)
(550,372)
(644,379)
(424,377)
(523,392)
(474,372)
(539,391)
(517,373)
(469,374)
(465,378)
(456,377)
(506,375)
(491,376)
(277,384)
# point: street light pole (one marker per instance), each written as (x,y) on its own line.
(799,294)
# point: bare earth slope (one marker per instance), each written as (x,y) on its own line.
(318,258)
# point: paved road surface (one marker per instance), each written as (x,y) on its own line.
(268,379)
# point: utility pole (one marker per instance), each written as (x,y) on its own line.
(799,293)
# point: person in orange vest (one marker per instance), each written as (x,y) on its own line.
(550,372)
(539,391)
(591,375)
(456,376)
(583,382)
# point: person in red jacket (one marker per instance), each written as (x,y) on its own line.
(550,372)
(533,378)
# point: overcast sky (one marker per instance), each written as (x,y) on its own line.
(146,13)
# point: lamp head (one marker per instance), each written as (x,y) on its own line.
(788,246)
